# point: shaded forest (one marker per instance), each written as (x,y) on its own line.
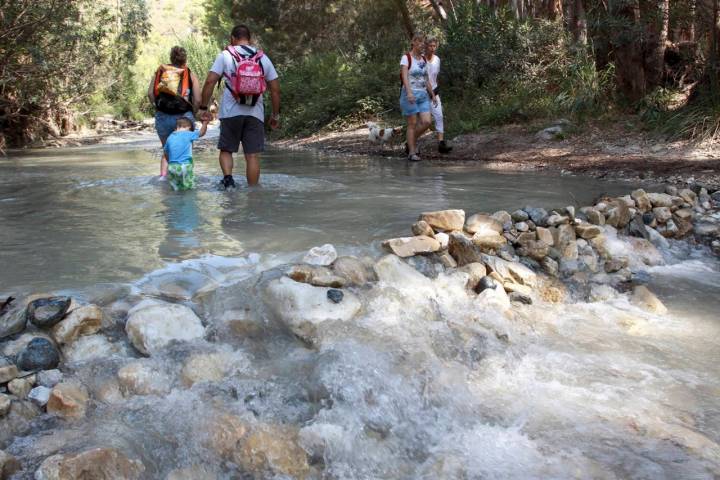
(64,62)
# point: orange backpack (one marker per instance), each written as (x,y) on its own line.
(172,88)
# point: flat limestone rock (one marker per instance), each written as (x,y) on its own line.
(483,224)
(446,220)
(410,246)
(85,320)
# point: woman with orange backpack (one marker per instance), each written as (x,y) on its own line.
(175,92)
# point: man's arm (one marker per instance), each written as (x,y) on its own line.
(275,101)
(207,92)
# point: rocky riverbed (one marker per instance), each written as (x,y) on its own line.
(443,358)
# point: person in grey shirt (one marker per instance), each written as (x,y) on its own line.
(241,122)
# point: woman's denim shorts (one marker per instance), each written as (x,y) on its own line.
(165,123)
(421,105)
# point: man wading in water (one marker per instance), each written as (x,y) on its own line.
(246,72)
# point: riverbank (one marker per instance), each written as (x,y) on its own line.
(617,150)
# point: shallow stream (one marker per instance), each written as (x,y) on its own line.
(424,384)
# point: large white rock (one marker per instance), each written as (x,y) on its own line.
(393,272)
(323,256)
(303,308)
(410,246)
(445,220)
(151,328)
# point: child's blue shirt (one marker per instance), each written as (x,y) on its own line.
(179,146)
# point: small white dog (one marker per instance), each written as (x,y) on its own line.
(381,135)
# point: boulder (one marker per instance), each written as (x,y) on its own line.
(422,228)
(537,215)
(519,216)
(660,199)
(40,395)
(223,433)
(444,240)
(68,400)
(662,214)
(273,451)
(195,472)
(96,464)
(324,255)
(646,252)
(627,200)
(483,224)
(594,216)
(8,465)
(20,387)
(5,404)
(206,367)
(688,196)
(152,328)
(503,217)
(411,246)
(142,378)
(318,276)
(446,259)
(8,371)
(618,214)
(643,298)
(475,271)
(463,250)
(522,227)
(535,249)
(510,271)
(642,201)
(39,354)
(545,235)
(12,323)
(303,308)
(85,320)
(445,220)
(91,347)
(353,270)
(587,231)
(488,243)
(49,378)
(555,219)
(46,312)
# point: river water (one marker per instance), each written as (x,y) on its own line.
(425,383)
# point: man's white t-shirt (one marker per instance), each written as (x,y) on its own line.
(433,68)
(225,64)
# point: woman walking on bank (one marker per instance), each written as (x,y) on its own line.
(175,92)
(415,95)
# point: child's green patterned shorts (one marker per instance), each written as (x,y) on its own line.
(181,176)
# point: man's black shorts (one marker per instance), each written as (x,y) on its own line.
(242,128)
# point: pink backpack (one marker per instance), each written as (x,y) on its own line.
(249,77)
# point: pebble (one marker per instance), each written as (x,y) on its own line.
(335,295)
(40,395)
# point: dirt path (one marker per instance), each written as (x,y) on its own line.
(618,151)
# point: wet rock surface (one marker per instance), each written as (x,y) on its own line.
(39,354)
(46,312)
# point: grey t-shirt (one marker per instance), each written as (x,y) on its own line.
(229,107)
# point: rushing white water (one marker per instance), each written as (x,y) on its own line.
(426,382)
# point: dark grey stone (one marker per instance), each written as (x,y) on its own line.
(537,215)
(12,323)
(46,312)
(520,298)
(38,354)
(485,283)
(636,228)
(335,295)
(648,218)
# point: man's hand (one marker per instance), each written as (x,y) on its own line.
(206,116)
(275,121)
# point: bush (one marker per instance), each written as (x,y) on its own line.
(330,89)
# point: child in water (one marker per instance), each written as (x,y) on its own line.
(178,148)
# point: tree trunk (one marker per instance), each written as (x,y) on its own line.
(656,58)
(628,49)
(578,22)
(407,22)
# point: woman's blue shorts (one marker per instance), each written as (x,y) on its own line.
(165,123)
(421,105)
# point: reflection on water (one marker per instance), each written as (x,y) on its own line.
(79,216)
